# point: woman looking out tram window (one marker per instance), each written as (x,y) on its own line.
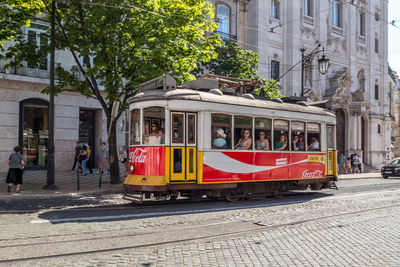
(244,143)
(282,143)
(262,143)
(220,141)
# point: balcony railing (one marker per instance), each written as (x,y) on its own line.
(227,36)
(362,39)
(29,72)
(308,20)
(337,30)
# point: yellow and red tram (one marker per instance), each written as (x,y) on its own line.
(204,142)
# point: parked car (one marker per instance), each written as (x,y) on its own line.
(392,169)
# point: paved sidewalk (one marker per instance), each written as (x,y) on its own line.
(367,175)
(66,181)
(34,181)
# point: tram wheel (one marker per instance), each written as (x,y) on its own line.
(232,198)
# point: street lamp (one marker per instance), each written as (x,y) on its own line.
(50,182)
(323,63)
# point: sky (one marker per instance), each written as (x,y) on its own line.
(394,35)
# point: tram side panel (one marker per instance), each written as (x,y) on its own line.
(228,167)
(149,166)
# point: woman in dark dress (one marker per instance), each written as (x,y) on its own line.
(14,176)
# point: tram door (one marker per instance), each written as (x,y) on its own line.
(183,163)
(331,156)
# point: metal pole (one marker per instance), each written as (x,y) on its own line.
(50,146)
(78,184)
(302,71)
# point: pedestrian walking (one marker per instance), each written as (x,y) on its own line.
(348,166)
(342,162)
(15,171)
(360,162)
(104,158)
(88,163)
(123,158)
(354,163)
(83,159)
(77,154)
(388,159)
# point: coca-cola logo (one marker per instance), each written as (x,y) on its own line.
(312,174)
(139,155)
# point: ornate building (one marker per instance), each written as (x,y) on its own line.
(354,35)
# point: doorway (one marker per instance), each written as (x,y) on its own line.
(87,131)
(183,164)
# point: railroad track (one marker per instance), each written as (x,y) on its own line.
(154,236)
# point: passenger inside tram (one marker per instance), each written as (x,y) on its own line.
(262,143)
(314,146)
(298,142)
(282,143)
(220,140)
(244,142)
(156,135)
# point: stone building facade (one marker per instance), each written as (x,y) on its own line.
(24,115)
(355,37)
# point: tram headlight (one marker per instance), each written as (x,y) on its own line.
(132,168)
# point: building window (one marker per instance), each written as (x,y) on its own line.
(308,8)
(37,40)
(275,70)
(376,92)
(376,45)
(361,25)
(223,19)
(275,9)
(379,128)
(34,126)
(336,19)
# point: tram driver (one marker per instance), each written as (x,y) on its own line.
(157,136)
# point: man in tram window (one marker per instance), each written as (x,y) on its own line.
(220,141)
(314,146)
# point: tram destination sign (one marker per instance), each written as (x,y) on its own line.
(165,82)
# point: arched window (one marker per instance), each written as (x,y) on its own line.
(275,9)
(223,19)
(33,131)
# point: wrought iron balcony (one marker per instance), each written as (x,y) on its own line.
(29,72)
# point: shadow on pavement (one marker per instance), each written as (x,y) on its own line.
(159,209)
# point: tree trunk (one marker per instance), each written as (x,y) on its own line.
(112,153)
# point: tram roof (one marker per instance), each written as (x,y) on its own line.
(194,95)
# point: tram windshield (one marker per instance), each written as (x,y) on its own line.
(135,127)
(154,125)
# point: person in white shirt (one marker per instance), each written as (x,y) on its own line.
(314,144)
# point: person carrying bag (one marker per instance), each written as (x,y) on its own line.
(15,171)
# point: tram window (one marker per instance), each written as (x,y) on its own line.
(177,160)
(281,131)
(221,126)
(298,134)
(177,128)
(135,127)
(191,129)
(243,133)
(313,136)
(153,118)
(263,134)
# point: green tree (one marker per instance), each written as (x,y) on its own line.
(14,14)
(124,43)
(235,62)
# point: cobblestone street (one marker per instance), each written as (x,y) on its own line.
(355,226)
